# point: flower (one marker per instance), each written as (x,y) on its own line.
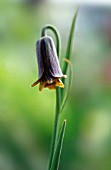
(48,65)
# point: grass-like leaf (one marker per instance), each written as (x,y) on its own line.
(68,53)
(70,42)
(57,153)
(69,84)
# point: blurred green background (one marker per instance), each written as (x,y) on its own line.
(26,115)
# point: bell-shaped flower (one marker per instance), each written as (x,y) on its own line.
(49,71)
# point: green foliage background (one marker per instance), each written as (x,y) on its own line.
(26,115)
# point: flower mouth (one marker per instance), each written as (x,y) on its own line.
(51,83)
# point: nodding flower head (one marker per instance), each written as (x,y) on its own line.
(49,71)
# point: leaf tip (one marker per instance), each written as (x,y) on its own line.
(64,122)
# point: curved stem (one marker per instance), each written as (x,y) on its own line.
(55,31)
(58,95)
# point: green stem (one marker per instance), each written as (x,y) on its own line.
(58,96)
(55,31)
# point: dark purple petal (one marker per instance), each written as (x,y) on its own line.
(50,58)
(39,59)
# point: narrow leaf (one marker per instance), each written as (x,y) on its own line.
(68,52)
(70,42)
(69,84)
(57,153)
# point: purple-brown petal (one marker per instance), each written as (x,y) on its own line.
(39,59)
(47,51)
